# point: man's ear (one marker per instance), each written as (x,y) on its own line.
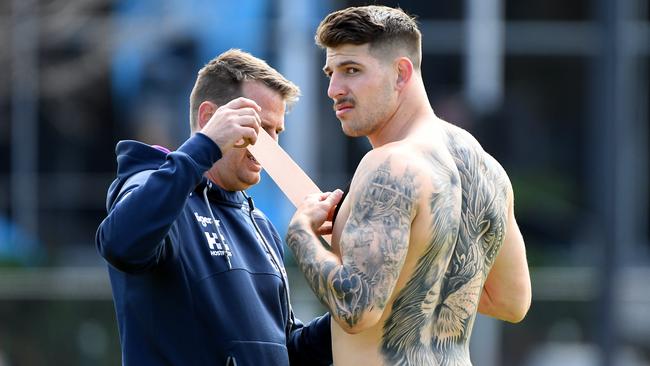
(404,72)
(206,110)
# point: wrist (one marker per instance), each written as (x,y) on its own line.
(299,233)
(301,222)
(202,150)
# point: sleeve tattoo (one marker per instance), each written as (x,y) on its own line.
(373,244)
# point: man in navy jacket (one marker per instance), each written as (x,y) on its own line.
(196,270)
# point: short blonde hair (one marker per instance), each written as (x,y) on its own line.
(221,80)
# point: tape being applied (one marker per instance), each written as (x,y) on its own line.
(293,182)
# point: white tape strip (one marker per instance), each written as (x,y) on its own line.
(293,182)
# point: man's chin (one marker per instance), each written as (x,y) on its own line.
(350,132)
(252,181)
(244,183)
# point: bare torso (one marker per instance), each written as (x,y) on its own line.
(455,235)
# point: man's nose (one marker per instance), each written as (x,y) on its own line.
(336,88)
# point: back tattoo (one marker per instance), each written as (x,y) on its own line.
(433,315)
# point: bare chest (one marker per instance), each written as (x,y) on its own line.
(339,224)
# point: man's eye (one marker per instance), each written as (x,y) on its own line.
(351,70)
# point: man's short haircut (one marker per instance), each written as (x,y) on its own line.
(382,27)
(221,80)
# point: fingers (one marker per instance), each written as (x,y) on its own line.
(249,116)
(235,124)
(331,197)
(325,200)
(245,117)
(317,209)
(332,200)
(334,197)
(325,229)
(249,137)
(242,102)
(330,214)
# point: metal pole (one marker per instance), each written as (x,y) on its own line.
(299,61)
(484,48)
(616,161)
(606,103)
(484,65)
(297,56)
(24,117)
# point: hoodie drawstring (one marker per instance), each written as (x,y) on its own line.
(276,262)
(214,222)
(274,258)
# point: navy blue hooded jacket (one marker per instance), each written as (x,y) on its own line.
(195,281)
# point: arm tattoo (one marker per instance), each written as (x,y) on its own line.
(376,240)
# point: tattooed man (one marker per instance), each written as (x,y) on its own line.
(426,236)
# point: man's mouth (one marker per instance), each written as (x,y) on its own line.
(342,107)
(252,158)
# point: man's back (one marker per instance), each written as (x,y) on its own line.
(459,225)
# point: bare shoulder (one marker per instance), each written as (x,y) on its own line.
(426,163)
(389,170)
(399,154)
(470,158)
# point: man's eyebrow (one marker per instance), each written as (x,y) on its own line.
(326,68)
(269,125)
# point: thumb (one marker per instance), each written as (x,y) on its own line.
(335,197)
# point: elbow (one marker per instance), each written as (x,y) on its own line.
(522,303)
(352,329)
(517,314)
(524,306)
(102,244)
(512,309)
(113,254)
(517,309)
(108,247)
(120,254)
(358,324)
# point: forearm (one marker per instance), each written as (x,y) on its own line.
(507,290)
(340,288)
(506,297)
(134,229)
(140,217)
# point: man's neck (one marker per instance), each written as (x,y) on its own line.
(413,110)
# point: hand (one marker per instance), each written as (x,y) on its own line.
(316,209)
(234,124)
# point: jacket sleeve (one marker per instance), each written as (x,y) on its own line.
(311,344)
(138,231)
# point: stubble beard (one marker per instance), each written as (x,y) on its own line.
(368,123)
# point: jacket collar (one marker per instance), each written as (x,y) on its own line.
(218,194)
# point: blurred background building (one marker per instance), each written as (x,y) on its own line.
(556,90)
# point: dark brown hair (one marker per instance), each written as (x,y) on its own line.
(221,80)
(382,27)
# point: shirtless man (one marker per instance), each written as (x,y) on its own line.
(427,235)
